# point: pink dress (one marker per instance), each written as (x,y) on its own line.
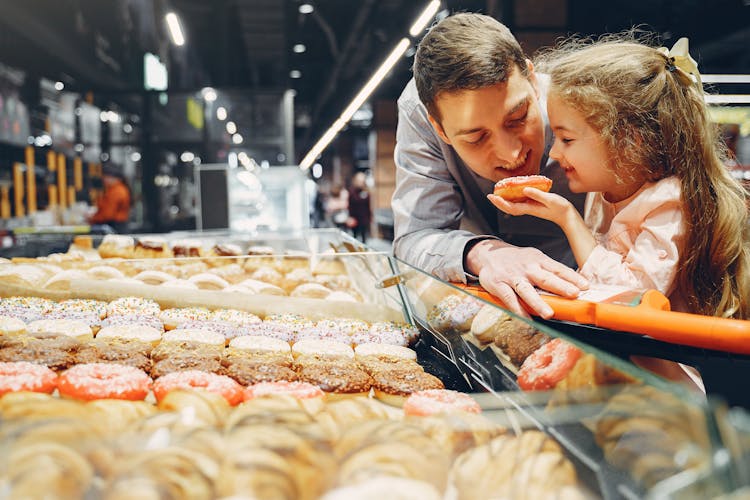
(639,240)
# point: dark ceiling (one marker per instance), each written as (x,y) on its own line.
(247,44)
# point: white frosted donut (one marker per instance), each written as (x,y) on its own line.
(395,351)
(105,272)
(311,291)
(208,281)
(134,319)
(68,327)
(153,277)
(226,330)
(24,274)
(140,332)
(61,281)
(261,287)
(97,307)
(174,317)
(133,305)
(344,328)
(11,326)
(36,304)
(234,316)
(118,240)
(193,335)
(324,348)
(258,343)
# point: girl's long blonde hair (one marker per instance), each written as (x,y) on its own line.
(655,123)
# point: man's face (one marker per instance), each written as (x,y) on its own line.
(498,131)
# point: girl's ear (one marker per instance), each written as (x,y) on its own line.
(439,129)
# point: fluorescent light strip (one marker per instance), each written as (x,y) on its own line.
(356,103)
(728,99)
(175,31)
(425,17)
(725,78)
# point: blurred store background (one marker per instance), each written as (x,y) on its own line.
(209,108)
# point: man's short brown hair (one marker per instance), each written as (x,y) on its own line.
(464,52)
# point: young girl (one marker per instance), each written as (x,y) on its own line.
(632,129)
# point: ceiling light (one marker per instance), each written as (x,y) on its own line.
(209,94)
(175,30)
(299,48)
(237,139)
(317,171)
(353,106)
(424,18)
(231,128)
(187,156)
(221,113)
(306,8)
(295,73)
(725,78)
(59,86)
(727,99)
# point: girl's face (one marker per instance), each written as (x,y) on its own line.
(583,156)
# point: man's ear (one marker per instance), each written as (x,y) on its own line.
(439,129)
(532,77)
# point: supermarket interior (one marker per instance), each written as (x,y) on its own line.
(408,249)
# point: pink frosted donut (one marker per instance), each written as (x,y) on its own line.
(548,365)
(299,390)
(19,376)
(196,379)
(133,305)
(511,188)
(92,381)
(437,401)
(288,325)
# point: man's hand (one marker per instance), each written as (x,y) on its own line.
(511,274)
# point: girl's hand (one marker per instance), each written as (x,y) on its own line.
(548,206)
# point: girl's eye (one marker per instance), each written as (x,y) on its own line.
(566,141)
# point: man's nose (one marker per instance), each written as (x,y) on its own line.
(507,147)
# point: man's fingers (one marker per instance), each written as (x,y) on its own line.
(529,295)
(566,273)
(508,297)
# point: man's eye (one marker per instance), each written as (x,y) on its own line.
(518,121)
(479,140)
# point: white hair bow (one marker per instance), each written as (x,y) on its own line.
(678,59)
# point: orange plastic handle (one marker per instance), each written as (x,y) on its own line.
(651,317)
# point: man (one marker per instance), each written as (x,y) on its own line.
(475,113)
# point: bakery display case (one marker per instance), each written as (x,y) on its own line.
(379,350)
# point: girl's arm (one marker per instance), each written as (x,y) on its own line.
(557,209)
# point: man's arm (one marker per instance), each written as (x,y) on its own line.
(427,204)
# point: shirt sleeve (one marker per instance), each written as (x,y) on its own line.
(427,202)
(652,258)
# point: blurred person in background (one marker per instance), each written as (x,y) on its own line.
(113,207)
(360,213)
(337,206)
